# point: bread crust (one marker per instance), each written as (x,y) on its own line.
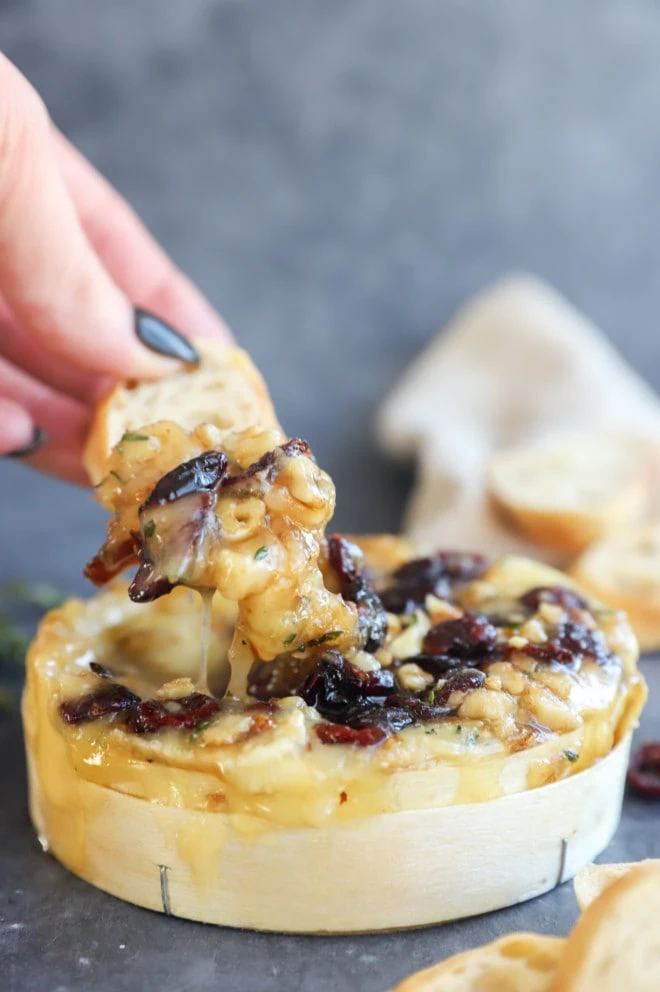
(225,389)
(614,944)
(566,520)
(518,962)
(592,880)
(622,570)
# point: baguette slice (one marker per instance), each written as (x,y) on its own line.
(567,491)
(623,571)
(519,962)
(225,389)
(594,879)
(616,943)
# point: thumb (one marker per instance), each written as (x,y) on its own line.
(49,274)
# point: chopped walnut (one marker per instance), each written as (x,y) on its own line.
(513,681)
(534,632)
(440,609)
(551,613)
(494,708)
(409,643)
(176,688)
(414,678)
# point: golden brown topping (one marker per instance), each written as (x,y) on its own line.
(247,521)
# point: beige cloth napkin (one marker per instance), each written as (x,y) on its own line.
(518,362)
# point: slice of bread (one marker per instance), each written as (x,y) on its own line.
(623,570)
(225,389)
(594,879)
(567,491)
(519,962)
(616,943)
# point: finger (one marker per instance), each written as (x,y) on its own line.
(63,420)
(49,274)
(16,429)
(21,348)
(131,255)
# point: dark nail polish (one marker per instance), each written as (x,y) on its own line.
(160,337)
(39,437)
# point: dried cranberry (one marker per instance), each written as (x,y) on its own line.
(337,733)
(357,588)
(570,644)
(177,520)
(466,680)
(281,677)
(414,709)
(335,686)
(375,723)
(412,582)
(152,715)
(556,595)
(437,665)
(644,771)
(100,670)
(268,464)
(201,474)
(467,638)
(112,559)
(110,699)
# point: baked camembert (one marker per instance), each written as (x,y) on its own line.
(365,683)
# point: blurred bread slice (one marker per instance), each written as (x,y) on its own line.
(565,492)
(623,570)
(592,880)
(519,962)
(225,389)
(615,946)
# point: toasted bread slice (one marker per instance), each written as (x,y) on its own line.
(594,879)
(567,491)
(519,962)
(225,389)
(623,571)
(616,943)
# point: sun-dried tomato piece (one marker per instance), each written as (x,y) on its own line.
(111,698)
(644,770)
(412,582)
(356,588)
(152,715)
(469,637)
(555,595)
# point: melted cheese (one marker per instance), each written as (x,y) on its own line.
(276,770)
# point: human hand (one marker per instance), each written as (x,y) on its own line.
(75,263)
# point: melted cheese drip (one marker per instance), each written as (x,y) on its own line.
(207,607)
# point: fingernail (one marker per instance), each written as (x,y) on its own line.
(160,337)
(39,437)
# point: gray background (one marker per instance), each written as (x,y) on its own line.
(337,175)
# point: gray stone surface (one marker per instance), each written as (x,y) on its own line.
(337,176)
